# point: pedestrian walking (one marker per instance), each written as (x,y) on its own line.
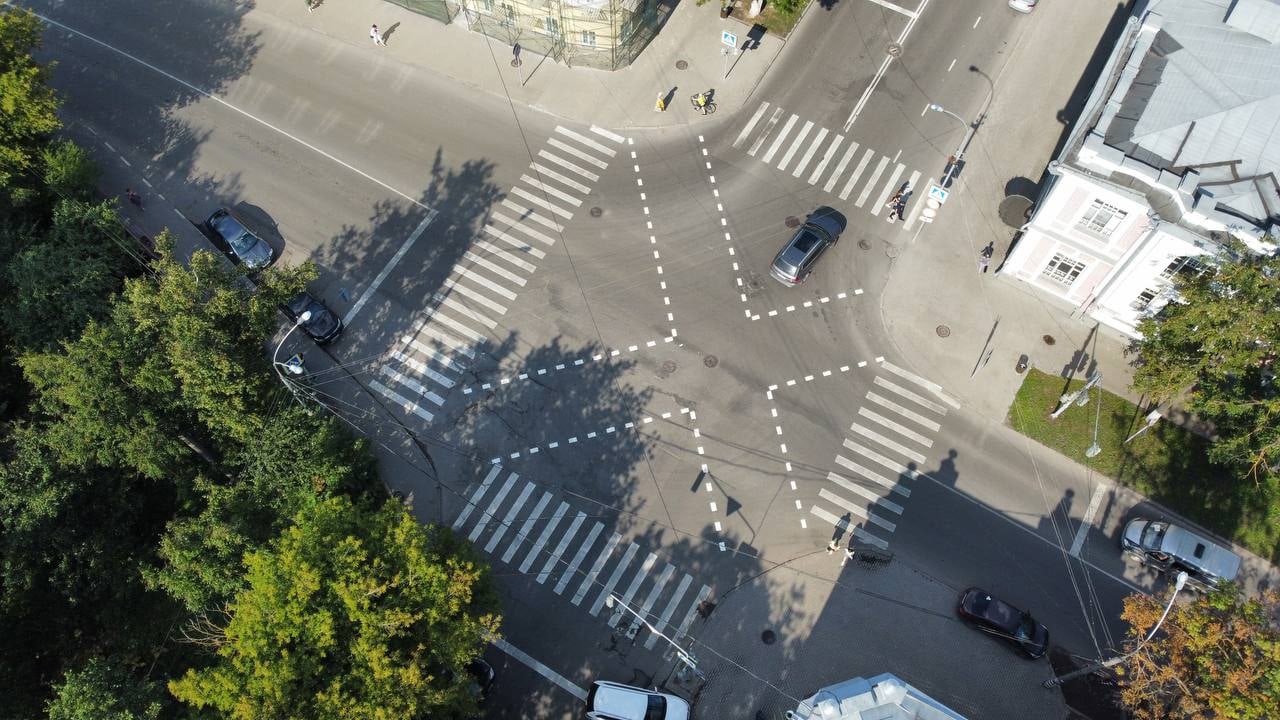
(134,198)
(984,257)
(376,35)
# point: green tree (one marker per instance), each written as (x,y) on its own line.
(352,613)
(1218,346)
(69,172)
(28,106)
(1217,656)
(103,691)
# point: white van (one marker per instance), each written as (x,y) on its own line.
(1173,549)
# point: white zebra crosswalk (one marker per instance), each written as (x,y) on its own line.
(885,446)
(425,362)
(494,519)
(868,173)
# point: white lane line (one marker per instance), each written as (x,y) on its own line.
(902,430)
(585,157)
(890,187)
(875,477)
(924,402)
(865,492)
(514,242)
(884,66)
(488,513)
(512,511)
(688,617)
(897,447)
(856,509)
(596,567)
(444,338)
(894,465)
(547,205)
(826,158)
(474,276)
(932,387)
(795,145)
(857,532)
(476,295)
(890,6)
(523,534)
(614,578)
(671,608)
(545,171)
(494,268)
(457,326)
(844,162)
(421,390)
(475,496)
(808,153)
(773,120)
(496,251)
(421,368)
(457,306)
(742,136)
(572,567)
(560,547)
(891,405)
(386,270)
(517,225)
(658,586)
(586,141)
(645,568)
(777,141)
(605,133)
(543,670)
(857,173)
(866,190)
(1086,522)
(556,192)
(433,354)
(919,204)
(528,214)
(567,165)
(544,536)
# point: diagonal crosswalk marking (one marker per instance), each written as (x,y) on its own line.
(746,131)
(572,567)
(556,192)
(670,609)
(808,154)
(545,204)
(452,324)
(405,404)
(873,476)
(902,430)
(857,532)
(777,141)
(614,578)
(544,536)
(545,171)
(857,489)
(523,534)
(528,214)
(773,120)
(879,459)
(475,496)
(844,162)
(492,250)
(567,165)
(826,158)
(433,354)
(538,235)
(509,518)
(857,173)
(856,509)
(703,594)
(596,567)
(605,133)
(893,445)
(795,145)
(891,186)
(656,590)
(448,301)
(932,387)
(910,415)
(422,391)
(514,242)
(586,141)
(560,547)
(583,156)
(913,397)
(489,512)
(494,268)
(871,184)
(474,295)
(641,574)
(422,369)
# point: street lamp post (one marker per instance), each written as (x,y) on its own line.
(1056,681)
(275,357)
(685,657)
(972,126)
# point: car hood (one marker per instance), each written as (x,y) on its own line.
(828,221)
(258,255)
(322,321)
(1133,533)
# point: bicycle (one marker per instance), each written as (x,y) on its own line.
(703,102)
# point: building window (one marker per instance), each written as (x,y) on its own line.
(1102,219)
(1063,269)
(588,38)
(1144,299)
(487,5)
(508,15)
(1185,266)
(552,26)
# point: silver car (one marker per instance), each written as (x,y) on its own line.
(234,239)
(796,259)
(615,701)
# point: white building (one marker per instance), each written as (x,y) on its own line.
(883,697)
(1177,148)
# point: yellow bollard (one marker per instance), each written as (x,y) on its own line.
(661,105)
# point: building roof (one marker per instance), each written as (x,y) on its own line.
(883,697)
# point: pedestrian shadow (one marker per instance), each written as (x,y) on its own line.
(386,36)
(671,95)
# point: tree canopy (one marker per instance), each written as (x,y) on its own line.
(28,106)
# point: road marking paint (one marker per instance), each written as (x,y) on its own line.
(567,165)
(544,536)
(458,326)
(434,354)
(900,429)
(777,141)
(586,141)
(474,276)
(476,295)
(386,269)
(614,578)
(891,405)
(523,534)
(572,567)
(843,524)
(857,489)
(545,171)
(953,64)
(742,136)
(488,514)
(920,203)
(517,225)
(514,242)
(856,509)
(879,459)
(457,306)
(932,387)
(826,158)
(808,154)
(645,568)
(530,197)
(528,214)
(494,268)
(975,22)
(890,6)
(857,173)
(884,66)
(509,518)
(1086,521)
(866,190)
(773,120)
(400,378)
(495,251)
(605,133)
(891,444)
(670,608)
(422,369)
(539,668)
(554,191)
(596,567)
(795,145)
(475,497)
(586,157)
(560,547)
(844,161)
(874,477)
(909,395)
(424,327)
(890,187)
(688,618)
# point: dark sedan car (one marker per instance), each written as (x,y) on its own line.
(796,259)
(235,240)
(1005,621)
(322,325)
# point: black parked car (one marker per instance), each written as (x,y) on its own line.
(1005,621)
(796,259)
(234,239)
(322,325)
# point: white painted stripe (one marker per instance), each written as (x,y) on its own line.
(474,295)
(777,142)
(641,574)
(457,306)
(670,609)
(844,162)
(544,536)
(517,225)
(494,251)
(826,158)
(871,184)
(386,269)
(1086,522)
(476,277)
(890,187)
(571,167)
(534,516)
(605,133)
(475,496)
(445,338)
(434,354)
(688,617)
(539,668)
(932,387)
(613,579)
(560,547)
(857,173)
(751,124)
(897,447)
(421,368)
(856,509)
(421,390)
(596,567)
(808,154)
(923,402)
(586,141)
(894,465)
(773,120)
(510,518)
(583,548)
(658,586)
(530,197)
(917,417)
(875,477)
(565,180)
(858,532)
(919,202)
(455,325)
(494,268)
(864,491)
(514,242)
(563,147)
(902,430)
(557,192)
(795,145)
(528,214)
(488,514)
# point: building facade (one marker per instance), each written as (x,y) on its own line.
(602,34)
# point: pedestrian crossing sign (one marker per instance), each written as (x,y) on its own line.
(937,193)
(728,39)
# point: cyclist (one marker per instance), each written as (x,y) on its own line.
(700,101)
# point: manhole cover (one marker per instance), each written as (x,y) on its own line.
(668,367)
(943,331)
(515,62)
(892,251)
(864,244)
(894,50)
(597,211)
(1048,340)
(791,221)
(768,637)
(710,361)
(682,64)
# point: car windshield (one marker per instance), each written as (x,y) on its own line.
(1154,533)
(805,241)
(1026,628)
(657,709)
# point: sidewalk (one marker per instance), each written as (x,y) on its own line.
(621,99)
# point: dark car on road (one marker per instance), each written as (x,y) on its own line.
(234,239)
(796,259)
(997,617)
(322,325)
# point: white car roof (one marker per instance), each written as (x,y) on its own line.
(630,703)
